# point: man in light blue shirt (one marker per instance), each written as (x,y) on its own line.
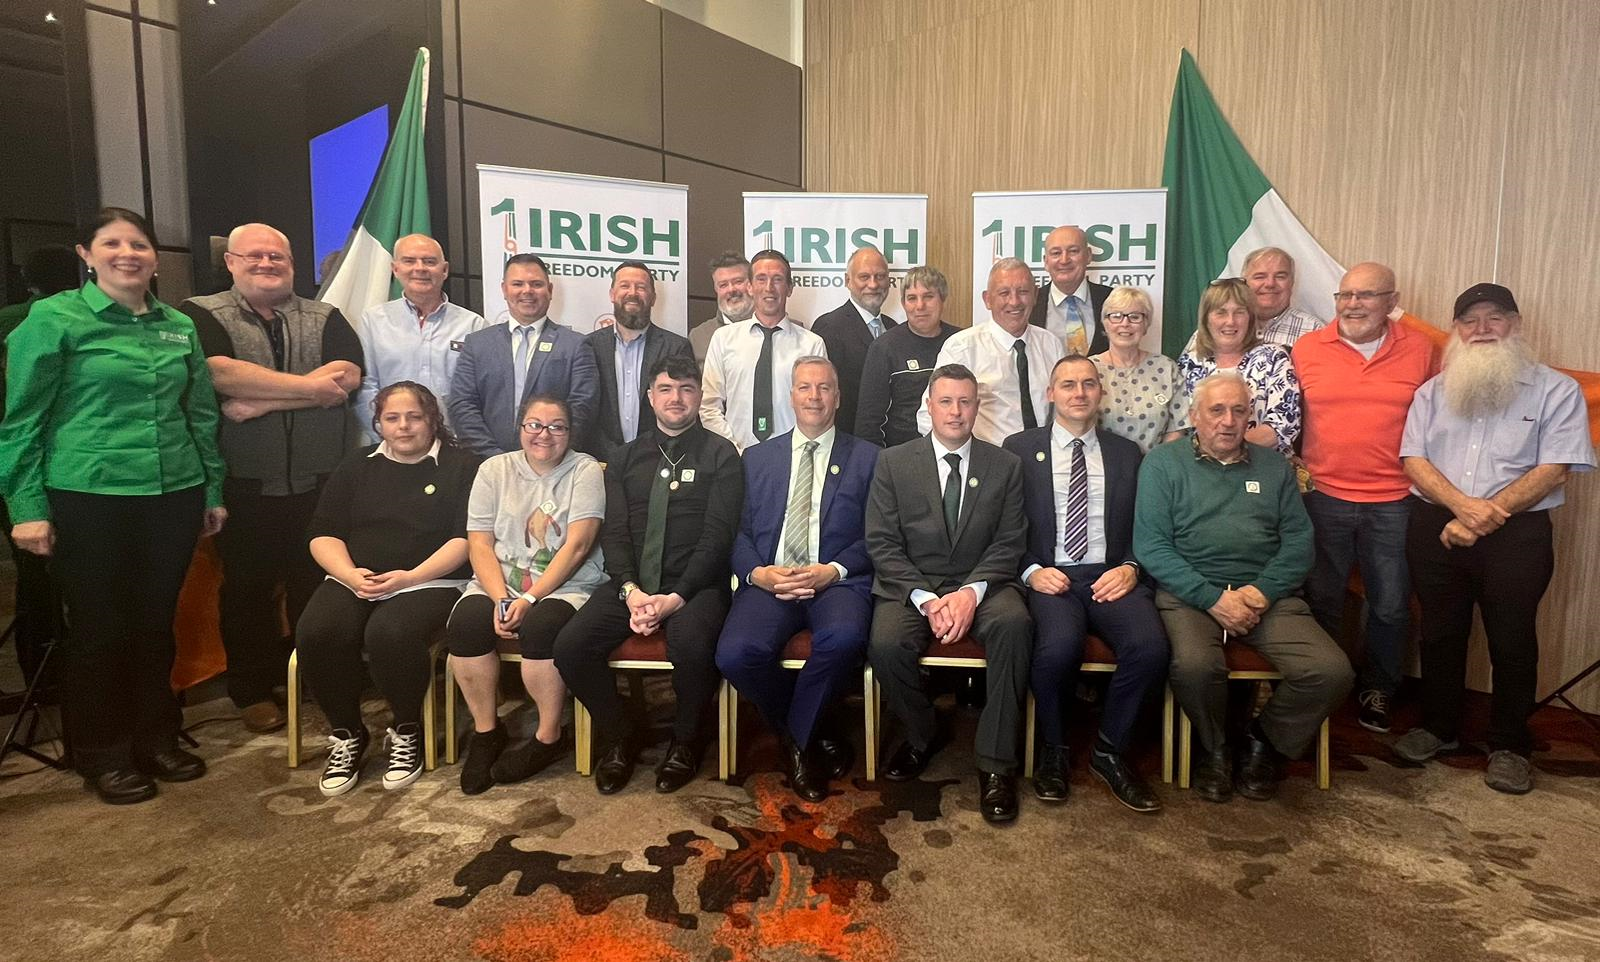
(418,336)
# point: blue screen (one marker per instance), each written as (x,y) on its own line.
(343,162)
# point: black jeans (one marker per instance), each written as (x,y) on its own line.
(263,546)
(122,560)
(1504,574)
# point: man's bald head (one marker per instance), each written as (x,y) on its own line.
(1066,257)
(420,267)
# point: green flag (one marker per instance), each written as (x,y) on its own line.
(1220,207)
(396,205)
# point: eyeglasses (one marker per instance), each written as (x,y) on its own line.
(1137,317)
(256,257)
(1346,296)
(556,429)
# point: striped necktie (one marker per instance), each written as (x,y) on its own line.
(797,520)
(1076,542)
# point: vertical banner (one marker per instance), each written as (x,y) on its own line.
(819,232)
(583,227)
(1126,229)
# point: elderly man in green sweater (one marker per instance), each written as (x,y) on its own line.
(1220,525)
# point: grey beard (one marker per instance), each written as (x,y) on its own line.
(1482,378)
(745,314)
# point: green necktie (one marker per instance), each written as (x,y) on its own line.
(952,495)
(655,523)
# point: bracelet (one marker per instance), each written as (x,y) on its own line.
(528,596)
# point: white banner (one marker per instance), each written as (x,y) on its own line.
(1127,231)
(583,227)
(819,232)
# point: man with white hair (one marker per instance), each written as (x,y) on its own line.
(1487,446)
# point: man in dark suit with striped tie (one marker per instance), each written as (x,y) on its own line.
(1078,488)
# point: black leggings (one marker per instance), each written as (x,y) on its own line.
(337,626)
(471,632)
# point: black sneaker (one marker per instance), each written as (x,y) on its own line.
(528,759)
(344,761)
(1374,714)
(477,769)
(405,756)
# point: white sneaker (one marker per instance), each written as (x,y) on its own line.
(405,756)
(344,761)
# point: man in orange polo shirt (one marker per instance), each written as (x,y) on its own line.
(1357,377)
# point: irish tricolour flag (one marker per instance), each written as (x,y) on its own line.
(1221,207)
(396,205)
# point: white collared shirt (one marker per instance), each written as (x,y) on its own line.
(1056,320)
(819,476)
(383,449)
(985,349)
(874,325)
(727,384)
(919,596)
(397,348)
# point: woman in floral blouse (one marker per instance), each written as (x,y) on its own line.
(1227,340)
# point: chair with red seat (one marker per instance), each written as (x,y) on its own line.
(1247,664)
(1099,658)
(636,653)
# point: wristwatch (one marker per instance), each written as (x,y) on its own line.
(628,588)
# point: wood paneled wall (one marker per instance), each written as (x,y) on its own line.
(1454,140)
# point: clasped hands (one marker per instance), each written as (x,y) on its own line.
(1240,609)
(371,586)
(1112,584)
(647,612)
(794,584)
(950,616)
(1474,518)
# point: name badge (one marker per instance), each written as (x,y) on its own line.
(174,336)
(913,365)
(546,346)
(457,345)
(686,475)
(1252,487)
(549,507)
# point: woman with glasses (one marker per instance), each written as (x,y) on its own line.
(1227,340)
(109,463)
(533,524)
(1144,399)
(390,531)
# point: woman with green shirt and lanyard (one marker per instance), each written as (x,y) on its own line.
(108,462)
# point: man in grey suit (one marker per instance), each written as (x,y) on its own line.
(730,281)
(506,363)
(624,354)
(946,532)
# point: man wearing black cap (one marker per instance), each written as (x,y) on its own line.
(1487,446)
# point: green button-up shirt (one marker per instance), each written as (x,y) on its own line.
(103,401)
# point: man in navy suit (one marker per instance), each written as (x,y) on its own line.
(850,329)
(1078,487)
(506,363)
(1069,304)
(805,566)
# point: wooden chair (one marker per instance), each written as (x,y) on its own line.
(510,652)
(640,653)
(429,730)
(1098,657)
(1247,664)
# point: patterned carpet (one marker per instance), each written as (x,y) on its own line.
(251,863)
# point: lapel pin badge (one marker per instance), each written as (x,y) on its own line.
(972,482)
(912,365)
(1252,487)
(833,469)
(429,489)
(545,346)
(1038,455)
(687,475)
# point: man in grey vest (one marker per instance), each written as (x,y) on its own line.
(285,369)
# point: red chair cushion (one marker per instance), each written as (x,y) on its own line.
(1096,651)
(1241,657)
(799,647)
(964,648)
(641,648)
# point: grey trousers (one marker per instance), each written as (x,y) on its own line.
(900,636)
(1316,674)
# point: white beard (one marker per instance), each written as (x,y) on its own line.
(1482,378)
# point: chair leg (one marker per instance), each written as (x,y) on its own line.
(868,691)
(430,748)
(450,694)
(1027,740)
(1185,739)
(583,723)
(293,712)
(1166,738)
(727,726)
(1324,758)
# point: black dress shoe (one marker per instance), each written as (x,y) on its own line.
(1124,782)
(483,750)
(172,765)
(908,762)
(1256,777)
(122,787)
(806,782)
(1212,776)
(997,797)
(528,759)
(615,767)
(835,755)
(1050,775)
(677,767)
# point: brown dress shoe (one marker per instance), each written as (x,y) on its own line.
(263,717)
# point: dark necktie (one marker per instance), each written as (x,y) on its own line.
(1023,390)
(1076,541)
(761,402)
(952,495)
(655,522)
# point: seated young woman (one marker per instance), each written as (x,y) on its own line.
(390,531)
(533,524)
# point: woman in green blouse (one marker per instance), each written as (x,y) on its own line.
(108,462)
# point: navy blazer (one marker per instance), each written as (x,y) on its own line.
(603,438)
(1121,458)
(483,414)
(848,339)
(842,533)
(1097,301)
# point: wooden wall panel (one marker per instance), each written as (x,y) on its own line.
(1452,139)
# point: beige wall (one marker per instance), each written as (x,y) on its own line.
(1452,139)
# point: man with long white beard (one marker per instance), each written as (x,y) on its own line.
(1487,446)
